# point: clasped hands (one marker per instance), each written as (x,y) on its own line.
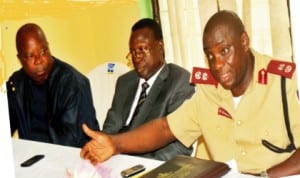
(99,148)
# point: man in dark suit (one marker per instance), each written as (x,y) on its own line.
(167,88)
(48,99)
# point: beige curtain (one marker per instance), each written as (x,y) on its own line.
(266,21)
(295,29)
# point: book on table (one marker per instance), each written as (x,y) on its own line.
(188,167)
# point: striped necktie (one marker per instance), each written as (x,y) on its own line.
(141,100)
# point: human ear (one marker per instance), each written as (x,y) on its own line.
(245,41)
(161,46)
(19,57)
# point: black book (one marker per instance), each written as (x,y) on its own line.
(188,167)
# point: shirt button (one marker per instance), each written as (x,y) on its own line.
(238,123)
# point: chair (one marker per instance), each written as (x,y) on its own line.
(103,79)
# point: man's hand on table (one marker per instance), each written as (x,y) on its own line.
(99,148)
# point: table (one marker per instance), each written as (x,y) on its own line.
(7,162)
(62,159)
(58,159)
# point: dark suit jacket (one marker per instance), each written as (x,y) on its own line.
(69,105)
(168,92)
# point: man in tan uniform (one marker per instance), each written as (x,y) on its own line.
(238,109)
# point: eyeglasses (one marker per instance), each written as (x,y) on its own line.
(145,51)
(30,57)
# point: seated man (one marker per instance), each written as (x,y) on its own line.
(167,88)
(48,99)
(244,117)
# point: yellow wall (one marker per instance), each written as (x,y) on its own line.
(83,36)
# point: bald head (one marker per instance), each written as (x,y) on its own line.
(226,46)
(29,30)
(34,53)
(228,19)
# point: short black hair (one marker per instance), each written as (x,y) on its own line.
(151,24)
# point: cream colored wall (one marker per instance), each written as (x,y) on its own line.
(83,38)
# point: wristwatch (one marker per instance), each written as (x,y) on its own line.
(264,174)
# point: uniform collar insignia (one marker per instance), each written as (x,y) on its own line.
(263,76)
(282,68)
(203,76)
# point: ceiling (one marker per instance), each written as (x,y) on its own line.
(20,9)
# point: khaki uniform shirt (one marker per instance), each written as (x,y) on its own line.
(236,132)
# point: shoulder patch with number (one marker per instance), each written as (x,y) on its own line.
(203,76)
(282,68)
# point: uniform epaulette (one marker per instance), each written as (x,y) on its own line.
(282,68)
(203,76)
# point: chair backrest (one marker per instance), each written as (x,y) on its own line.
(103,79)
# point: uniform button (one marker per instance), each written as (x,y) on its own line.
(238,122)
(266,133)
(13,89)
(11,83)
